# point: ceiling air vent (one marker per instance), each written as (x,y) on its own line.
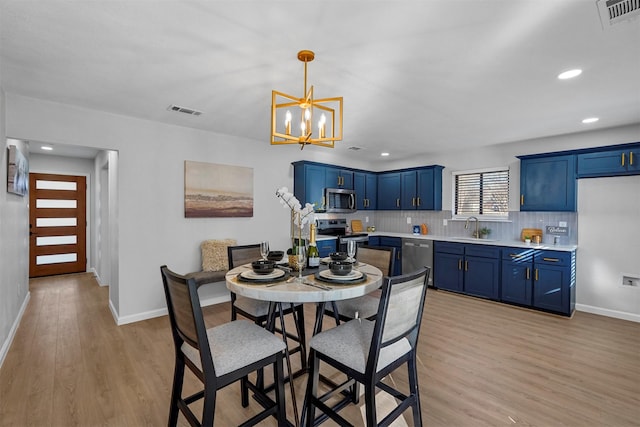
(613,12)
(185,110)
(355,148)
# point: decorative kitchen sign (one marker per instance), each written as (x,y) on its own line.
(217,191)
(557,231)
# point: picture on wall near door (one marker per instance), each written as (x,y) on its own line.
(216,191)
(17,172)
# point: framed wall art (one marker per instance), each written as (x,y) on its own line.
(216,191)
(17,172)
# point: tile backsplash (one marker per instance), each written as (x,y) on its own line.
(396,222)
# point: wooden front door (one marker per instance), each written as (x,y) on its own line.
(57,224)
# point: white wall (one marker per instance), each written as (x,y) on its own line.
(151,228)
(14,246)
(609,246)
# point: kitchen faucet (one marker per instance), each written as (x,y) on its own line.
(466,225)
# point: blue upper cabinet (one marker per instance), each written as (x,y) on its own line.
(309,181)
(548,183)
(338,178)
(389,184)
(610,162)
(429,188)
(366,186)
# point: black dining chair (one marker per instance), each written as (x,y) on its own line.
(368,351)
(366,306)
(218,356)
(257,310)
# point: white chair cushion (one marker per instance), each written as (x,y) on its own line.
(256,307)
(235,345)
(366,306)
(349,344)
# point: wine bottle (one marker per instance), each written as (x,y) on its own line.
(313,256)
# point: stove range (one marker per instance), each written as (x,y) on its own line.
(338,227)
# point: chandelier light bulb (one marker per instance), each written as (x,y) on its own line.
(287,123)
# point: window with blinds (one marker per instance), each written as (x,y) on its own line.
(482,192)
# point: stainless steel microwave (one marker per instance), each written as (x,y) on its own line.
(340,200)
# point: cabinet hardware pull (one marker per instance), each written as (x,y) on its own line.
(418,201)
(522,199)
(630,158)
(459,264)
(323,202)
(536,279)
(397,203)
(413,201)
(466,266)
(528,273)
(622,159)
(515,255)
(551,259)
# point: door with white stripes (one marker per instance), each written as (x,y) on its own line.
(57,224)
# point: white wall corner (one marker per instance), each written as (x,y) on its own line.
(7,344)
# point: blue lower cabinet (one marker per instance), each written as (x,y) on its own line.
(467,268)
(325,247)
(539,279)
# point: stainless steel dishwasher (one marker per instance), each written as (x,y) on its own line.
(417,253)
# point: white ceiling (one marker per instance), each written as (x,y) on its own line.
(416,76)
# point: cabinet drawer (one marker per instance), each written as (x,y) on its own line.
(450,248)
(483,251)
(553,258)
(518,254)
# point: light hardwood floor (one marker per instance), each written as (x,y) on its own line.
(480,364)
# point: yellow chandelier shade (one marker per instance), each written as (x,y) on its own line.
(319,121)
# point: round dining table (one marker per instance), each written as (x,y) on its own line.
(316,286)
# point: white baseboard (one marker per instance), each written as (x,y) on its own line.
(609,313)
(97,277)
(123,320)
(12,332)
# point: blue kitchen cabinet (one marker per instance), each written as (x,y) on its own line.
(326,246)
(366,188)
(389,184)
(422,189)
(309,183)
(548,183)
(517,274)
(610,162)
(540,279)
(467,268)
(554,281)
(338,178)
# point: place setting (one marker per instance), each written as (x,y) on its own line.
(264,270)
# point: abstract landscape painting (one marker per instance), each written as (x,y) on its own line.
(216,191)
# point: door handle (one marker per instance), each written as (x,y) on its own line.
(459,264)
(536,274)
(466,266)
(418,199)
(622,159)
(528,273)
(397,203)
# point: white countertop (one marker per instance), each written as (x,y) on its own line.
(511,243)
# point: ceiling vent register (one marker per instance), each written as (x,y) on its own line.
(617,11)
(184,110)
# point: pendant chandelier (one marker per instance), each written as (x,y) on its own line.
(305,121)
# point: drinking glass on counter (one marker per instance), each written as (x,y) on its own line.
(301,259)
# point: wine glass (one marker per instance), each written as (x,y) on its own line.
(351,250)
(301,259)
(264,249)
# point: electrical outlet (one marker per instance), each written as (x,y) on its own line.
(562,223)
(408,220)
(630,281)
(366,219)
(444,222)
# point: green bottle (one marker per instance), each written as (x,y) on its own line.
(313,256)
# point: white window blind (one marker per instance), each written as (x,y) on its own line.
(483,193)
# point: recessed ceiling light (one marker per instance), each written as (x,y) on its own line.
(590,120)
(385,154)
(46,148)
(570,74)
